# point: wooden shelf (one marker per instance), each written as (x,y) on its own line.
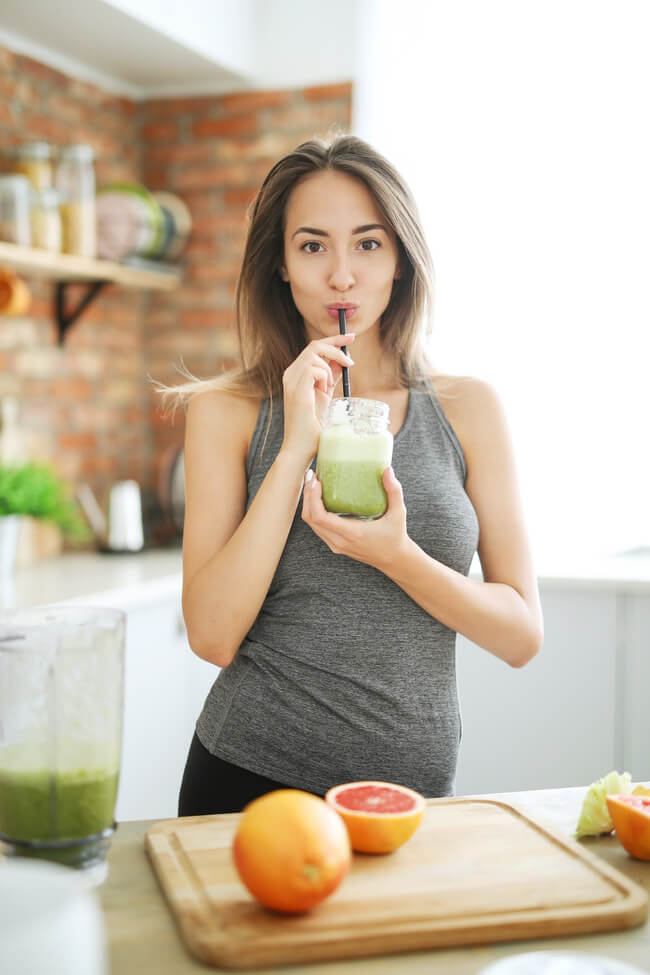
(67,268)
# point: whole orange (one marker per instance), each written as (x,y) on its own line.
(631,817)
(291,850)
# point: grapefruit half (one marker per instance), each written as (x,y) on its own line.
(380,816)
(631,817)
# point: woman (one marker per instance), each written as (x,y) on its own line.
(336,636)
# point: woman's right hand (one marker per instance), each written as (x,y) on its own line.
(309,384)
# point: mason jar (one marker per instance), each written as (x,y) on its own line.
(354,450)
(75,181)
(34,160)
(14,209)
(45,220)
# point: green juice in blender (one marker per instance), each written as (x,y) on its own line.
(61,703)
(40,804)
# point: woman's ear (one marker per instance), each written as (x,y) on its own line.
(282,271)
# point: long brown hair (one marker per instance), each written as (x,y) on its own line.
(270,329)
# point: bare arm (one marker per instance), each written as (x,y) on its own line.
(501,614)
(229,554)
(229,559)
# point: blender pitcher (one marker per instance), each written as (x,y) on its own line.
(61,701)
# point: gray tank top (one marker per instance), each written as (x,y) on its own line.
(343,676)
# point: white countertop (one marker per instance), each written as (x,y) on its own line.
(123,581)
(626,572)
(126,581)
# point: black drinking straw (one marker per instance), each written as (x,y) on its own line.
(346,371)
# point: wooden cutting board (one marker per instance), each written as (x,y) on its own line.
(476,871)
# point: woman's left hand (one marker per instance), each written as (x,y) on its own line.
(373,542)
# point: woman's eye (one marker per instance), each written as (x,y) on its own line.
(369,245)
(312,247)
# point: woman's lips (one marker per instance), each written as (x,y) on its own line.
(350,311)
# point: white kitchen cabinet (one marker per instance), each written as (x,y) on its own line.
(634,680)
(165,686)
(572,714)
(553,722)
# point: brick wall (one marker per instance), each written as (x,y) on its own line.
(88,403)
(85,403)
(214,153)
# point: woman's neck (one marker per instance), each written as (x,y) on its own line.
(374,370)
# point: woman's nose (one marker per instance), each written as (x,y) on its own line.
(341,276)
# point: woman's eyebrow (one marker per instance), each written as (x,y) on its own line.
(315,232)
(309,230)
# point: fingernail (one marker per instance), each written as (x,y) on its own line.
(350,359)
(308,475)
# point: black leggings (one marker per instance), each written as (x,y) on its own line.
(211,785)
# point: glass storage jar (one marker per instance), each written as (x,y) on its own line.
(14,209)
(75,181)
(354,450)
(34,160)
(45,220)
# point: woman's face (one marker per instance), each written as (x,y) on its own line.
(338,252)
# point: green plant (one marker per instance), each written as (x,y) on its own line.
(36,490)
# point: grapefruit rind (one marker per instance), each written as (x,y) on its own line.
(631,817)
(371,831)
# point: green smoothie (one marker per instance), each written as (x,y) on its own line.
(42,805)
(350,467)
(73,798)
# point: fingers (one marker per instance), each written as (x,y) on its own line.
(322,375)
(307,495)
(312,368)
(311,497)
(394,494)
(329,348)
(390,482)
(335,340)
(321,361)
(323,523)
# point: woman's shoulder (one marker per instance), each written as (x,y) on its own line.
(214,412)
(471,405)
(212,402)
(467,388)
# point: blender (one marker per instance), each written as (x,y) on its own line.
(61,703)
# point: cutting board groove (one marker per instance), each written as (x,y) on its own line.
(476,871)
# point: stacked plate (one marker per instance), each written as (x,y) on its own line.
(131,221)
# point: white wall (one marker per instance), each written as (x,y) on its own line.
(299,44)
(522,128)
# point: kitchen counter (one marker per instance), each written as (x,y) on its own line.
(101,578)
(143,937)
(126,581)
